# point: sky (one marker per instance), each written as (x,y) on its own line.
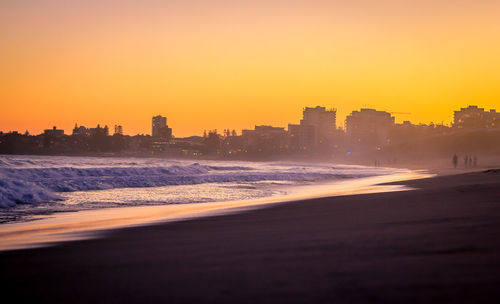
(207,64)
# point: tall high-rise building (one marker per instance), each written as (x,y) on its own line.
(158,124)
(369,127)
(474,117)
(160,128)
(317,126)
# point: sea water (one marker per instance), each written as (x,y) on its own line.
(35,186)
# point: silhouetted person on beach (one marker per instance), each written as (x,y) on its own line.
(466,161)
(475,161)
(455,161)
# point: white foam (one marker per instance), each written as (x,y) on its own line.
(13,192)
(36,179)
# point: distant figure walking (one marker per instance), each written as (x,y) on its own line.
(455,161)
(475,161)
(466,161)
(470,161)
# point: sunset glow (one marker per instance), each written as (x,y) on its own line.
(235,64)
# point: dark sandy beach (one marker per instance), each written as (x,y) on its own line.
(438,244)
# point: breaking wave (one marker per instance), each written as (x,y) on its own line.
(29,181)
(13,192)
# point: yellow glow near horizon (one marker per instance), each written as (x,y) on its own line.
(214,65)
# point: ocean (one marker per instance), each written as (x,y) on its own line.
(32,187)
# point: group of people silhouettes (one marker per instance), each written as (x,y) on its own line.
(469,161)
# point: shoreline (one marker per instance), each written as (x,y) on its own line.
(60,227)
(428,163)
(433,244)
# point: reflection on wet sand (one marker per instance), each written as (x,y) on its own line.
(59,227)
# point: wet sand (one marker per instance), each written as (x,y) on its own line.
(440,243)
(53,228)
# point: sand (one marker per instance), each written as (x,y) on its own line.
(440,243)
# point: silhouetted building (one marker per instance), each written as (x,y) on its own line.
(269,131)
(293,136)
(317,127)
(408,132)
(474,117)
(320,117)
(369,127)
(307,136)
(81,130)
(158,124)
(160,128)
(99,131)
(54,132)
(264,139)
(264,132)
(118,130)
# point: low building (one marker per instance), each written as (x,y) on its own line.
(99,131)
(54,132)
(264,139)
(81,130)
(474,117)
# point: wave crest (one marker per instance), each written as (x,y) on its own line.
(35,184)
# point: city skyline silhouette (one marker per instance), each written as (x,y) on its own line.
(215,64)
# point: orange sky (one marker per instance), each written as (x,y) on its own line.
(233,64)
